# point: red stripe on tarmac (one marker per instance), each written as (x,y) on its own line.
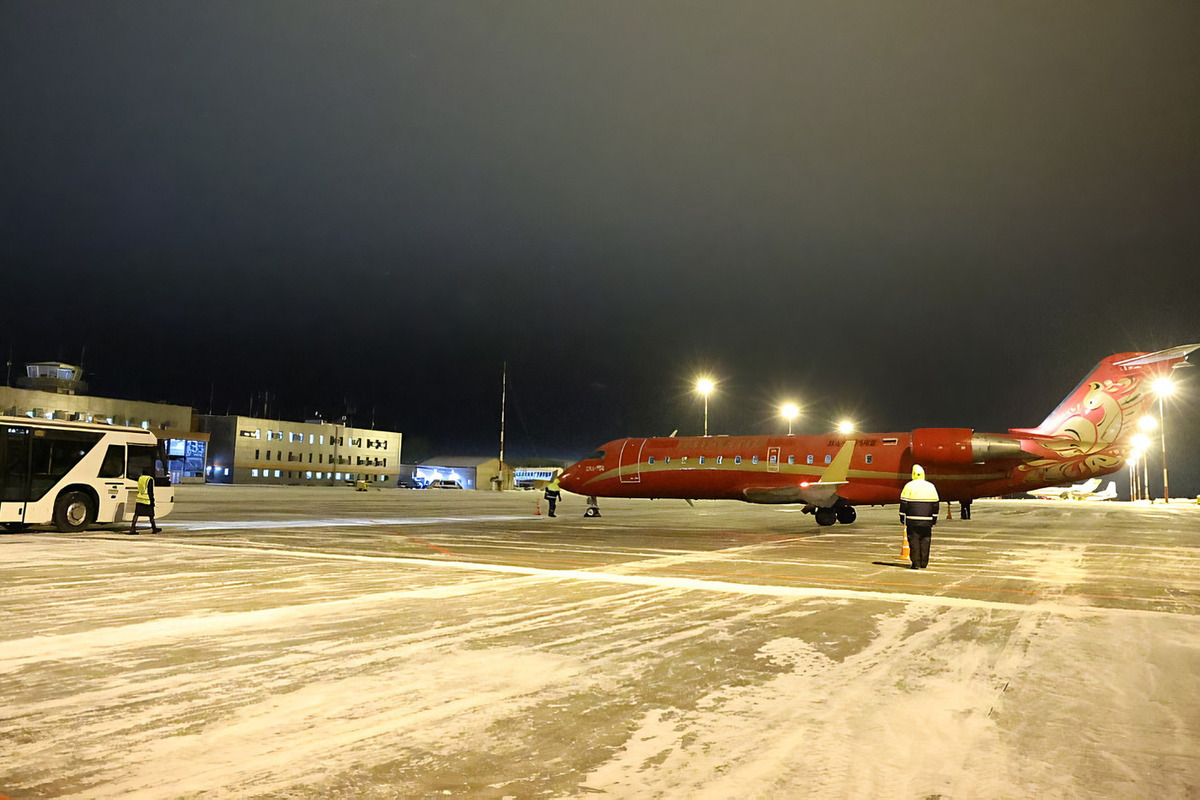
(417,541)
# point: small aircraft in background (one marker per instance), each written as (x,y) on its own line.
(1080,491)
(1085,437)
(1076,492)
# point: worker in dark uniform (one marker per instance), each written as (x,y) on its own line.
(552,495)
(919,513)
(144,503)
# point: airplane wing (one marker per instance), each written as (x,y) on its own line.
(821,492)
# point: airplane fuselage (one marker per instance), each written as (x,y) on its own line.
(738,467)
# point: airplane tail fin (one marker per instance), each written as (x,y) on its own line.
(1105,407)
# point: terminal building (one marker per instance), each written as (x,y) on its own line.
(251,450)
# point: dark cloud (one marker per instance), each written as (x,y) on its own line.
(925,213)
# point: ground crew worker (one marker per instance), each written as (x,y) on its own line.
(144,503)
(918,514)
(552,495)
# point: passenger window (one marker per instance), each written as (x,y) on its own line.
(720,459)
(753,459)
(774,459)
(808,460)
(113,465)
(791,459)
(650,460)
(828,459)
(667,460)
(737,459)
(869,457)
(701,459)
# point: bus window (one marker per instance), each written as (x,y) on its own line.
(114,462)
(53,454)
(150,458)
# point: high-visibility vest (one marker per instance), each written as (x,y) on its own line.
(143,495)
(919,503)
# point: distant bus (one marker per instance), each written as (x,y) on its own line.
(73,474)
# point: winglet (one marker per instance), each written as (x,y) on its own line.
(839,469)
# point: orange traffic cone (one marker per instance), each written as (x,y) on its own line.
(904,552)
(538,512)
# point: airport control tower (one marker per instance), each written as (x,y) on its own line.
(53,376)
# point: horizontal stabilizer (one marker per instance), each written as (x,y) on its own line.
(1170,354)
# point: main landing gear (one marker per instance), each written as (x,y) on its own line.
(840,512)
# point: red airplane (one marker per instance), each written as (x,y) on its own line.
(1087,435)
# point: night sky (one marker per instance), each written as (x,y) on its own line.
(909,213)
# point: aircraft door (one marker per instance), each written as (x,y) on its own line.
(772,459)
(631,460)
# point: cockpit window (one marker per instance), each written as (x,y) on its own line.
(597,456)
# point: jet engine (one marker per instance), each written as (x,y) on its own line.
(963,446)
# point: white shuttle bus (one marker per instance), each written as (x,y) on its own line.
(74,474)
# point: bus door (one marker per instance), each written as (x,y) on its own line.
(631,460)
(14,473)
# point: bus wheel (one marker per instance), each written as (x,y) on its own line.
(73,511)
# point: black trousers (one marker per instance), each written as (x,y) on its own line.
(919,538)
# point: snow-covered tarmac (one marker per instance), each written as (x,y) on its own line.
(313,642)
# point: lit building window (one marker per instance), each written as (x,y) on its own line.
(253,473)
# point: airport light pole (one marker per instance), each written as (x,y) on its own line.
(1163,387)
(1133,457)
(790,411)
(705,386)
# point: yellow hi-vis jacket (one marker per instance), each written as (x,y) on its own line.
(144,484)
(919,500)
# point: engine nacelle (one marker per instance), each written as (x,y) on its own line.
(962,446)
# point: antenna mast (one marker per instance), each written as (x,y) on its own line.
(503,399)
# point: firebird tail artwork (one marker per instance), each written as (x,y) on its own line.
(1087,436)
